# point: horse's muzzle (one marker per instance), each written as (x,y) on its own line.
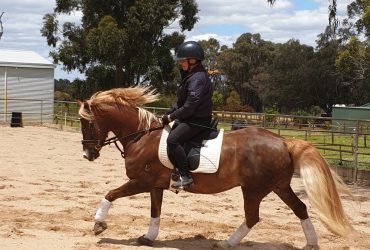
(91,156)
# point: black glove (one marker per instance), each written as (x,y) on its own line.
(165,119)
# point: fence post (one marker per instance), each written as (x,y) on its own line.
(42,107)
(355,151)
(365,141)
(332,138)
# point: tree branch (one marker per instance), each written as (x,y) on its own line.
(1,26)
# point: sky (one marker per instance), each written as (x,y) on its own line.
(224,20)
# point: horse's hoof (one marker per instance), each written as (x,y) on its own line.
(99,227)
(144,241)
(222,245)
(311,247)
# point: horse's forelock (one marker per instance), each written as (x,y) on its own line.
(84,113)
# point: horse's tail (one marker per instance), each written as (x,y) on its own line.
(321,185)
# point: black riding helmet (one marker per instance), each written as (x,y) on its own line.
(188,50)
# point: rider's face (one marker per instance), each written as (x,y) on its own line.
(184,64)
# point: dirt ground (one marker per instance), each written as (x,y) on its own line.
(49,195)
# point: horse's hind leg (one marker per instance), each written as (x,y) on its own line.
(156,197)
(131,187)
(252,201)
(300,210)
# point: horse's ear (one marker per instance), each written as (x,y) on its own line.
(79,102)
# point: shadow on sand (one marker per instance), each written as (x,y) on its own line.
(197,243)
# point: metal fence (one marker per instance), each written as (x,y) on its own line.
(341,141)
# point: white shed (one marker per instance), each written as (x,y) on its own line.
(27,86)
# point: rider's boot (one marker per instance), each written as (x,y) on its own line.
(185,180)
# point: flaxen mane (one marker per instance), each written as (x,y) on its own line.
(134,97)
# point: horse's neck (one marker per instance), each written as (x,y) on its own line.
(144,148)
(123,125)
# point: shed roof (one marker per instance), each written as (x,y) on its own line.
(20,58)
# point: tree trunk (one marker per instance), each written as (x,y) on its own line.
(119,80)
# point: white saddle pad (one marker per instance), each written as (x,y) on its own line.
(209,153)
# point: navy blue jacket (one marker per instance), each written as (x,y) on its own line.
(194,96)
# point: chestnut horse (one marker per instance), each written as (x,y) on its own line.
(255,159)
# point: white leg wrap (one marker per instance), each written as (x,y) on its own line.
(102,212)
(153,229)
(309,232)
(239,234)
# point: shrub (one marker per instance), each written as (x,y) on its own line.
(233,102)
(271,113)
(217,100)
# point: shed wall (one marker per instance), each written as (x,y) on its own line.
(353,113)
(27,90)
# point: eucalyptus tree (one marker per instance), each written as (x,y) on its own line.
(211,49)
(1,26)
(288,74)
(353,63)
(324,87)
(119,42)
(359,17)
(244,66)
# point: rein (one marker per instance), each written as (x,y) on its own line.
(137,134)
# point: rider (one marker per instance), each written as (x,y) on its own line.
(193,109)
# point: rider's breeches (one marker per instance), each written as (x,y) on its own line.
(181,133)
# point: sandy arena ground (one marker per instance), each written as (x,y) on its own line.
(49,195)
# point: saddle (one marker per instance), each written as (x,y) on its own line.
(192,148)
(203,151)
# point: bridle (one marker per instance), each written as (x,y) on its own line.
(98,144)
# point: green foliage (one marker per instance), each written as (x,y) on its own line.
(359,11)
(249,57)
(302,119)
(211,49)
(315,110)
(217,100)
(271,113)
(63,90)
(61,96)
(122,43)
(126,38)
(353,63)
(233,102)
(272,110)
(288,76)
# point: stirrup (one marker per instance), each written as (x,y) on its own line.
(180,184)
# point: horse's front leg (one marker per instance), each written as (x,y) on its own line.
(156,197)
(131,187)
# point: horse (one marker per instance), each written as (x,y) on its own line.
(255,159)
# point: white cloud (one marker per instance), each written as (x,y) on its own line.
(278,23)
(22,22)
